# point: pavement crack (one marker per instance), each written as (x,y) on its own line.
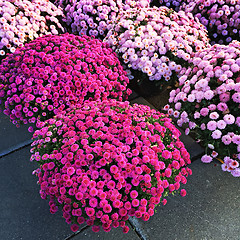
(77,233)
(15,148)
(132,99)
(197,156)
(136,227)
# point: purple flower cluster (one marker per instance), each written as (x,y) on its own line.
(208,102)
(54,72)
(174,4)
(221,18)
(157,41)
(91,17)
(135,4)
(22,21)
(110,161)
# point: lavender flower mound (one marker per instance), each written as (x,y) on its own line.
(157,42)
(174,4)
(90,17)
(207,102)
(135,4)
(221,18)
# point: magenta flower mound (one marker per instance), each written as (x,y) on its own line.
(22,21)
(221,18)
(53,72)
(105,161)
(174,4)
(157,42)
(208,102)
(90,17)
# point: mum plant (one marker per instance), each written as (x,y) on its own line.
(174,4)
(22,21)
(91,17)
(221,18)
(135,4)
(52,72)
(156,43)
(207,101)
(104,161)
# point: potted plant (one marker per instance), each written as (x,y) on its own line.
(53,72)
(103,161)
(157,43)
(22,21)
(207,101)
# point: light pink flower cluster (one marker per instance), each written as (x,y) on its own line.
(174,4)
(105,161)
(221,18)
(208,102)
(22,21)
(157,41)
(53,72)
(91,17)
(135,4)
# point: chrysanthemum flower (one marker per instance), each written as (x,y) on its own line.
(215,108)
(53,72)
(22,21)
(221,18)
(119,179)
(158,43)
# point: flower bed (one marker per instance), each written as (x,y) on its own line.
(127,4)
(157,43)
(104,161)
(174,4)
(53,72)
(22,21)
(208,102)
(93,17)
(221,18)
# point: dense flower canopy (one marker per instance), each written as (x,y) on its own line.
(157,41)
(174,4)
(221,18)
(22,21)
(208,102)
(53,72)
(135,4)
(90,17)
(112,160)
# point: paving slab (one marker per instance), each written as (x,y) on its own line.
(191,145)
(133,95)
(114,234)
(209,211)
(11,136)
(23,214)
(194,149)
(159,100)
(141,100)
(215,195)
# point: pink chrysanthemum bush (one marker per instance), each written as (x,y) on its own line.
(101,162)
(127,4)
(53,72)
(207,101)
(174,4)
(22,21)
(90,17)
(156,43)
(221,18)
